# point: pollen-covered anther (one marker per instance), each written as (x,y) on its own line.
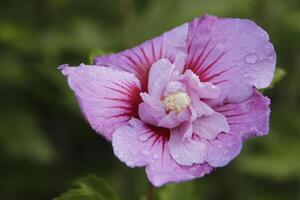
(176,102)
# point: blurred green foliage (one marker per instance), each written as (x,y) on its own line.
(89,188)
(44,141)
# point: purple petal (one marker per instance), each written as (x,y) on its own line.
(173,119)
(108,98)
(183,149)
(201,108)
(151,109)
(160,75)
(221,150)
(233,54)
(202,89)
(152,112)
(173,87)
(138,60)
(248,118)
(209,127)
(138,144)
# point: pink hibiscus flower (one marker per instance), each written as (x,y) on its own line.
(182,103)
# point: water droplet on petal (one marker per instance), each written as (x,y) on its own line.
(155,156)
(251,59)
(143,137)
(176,156)
(145,152)
(269,48)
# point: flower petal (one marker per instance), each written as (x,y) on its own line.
(138,144)
(209,127)
(151,109)
(233,54)
(138,60)
(108,98)
(221,150)
(173,119)
(248,118)
(183,149)
(201,108)
(152,112)
(160,75)
(202,89)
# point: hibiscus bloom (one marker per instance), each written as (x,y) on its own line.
(182,103)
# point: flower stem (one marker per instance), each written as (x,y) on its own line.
(150,192)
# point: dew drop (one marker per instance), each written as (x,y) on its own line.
(251,59)
(269,48)
(143,137)
(246,75)
(155,156)
(176,156)
(145,152)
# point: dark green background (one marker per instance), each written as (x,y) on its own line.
(45,142)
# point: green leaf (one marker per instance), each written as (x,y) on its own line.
(178,191)
(88,188)
(279,74)
(94,53)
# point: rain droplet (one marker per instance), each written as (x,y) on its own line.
(143,138)
(145,152)
(269,48)
(176,156)
(155,156)
(251,59)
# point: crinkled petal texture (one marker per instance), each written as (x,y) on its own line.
(108,98)
(233,54)
(138,144)
(140,59)
(181,103)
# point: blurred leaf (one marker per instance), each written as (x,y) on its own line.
(94,53)
(279,74)
(20,137)
(88,188)
(272,161)
(178,191)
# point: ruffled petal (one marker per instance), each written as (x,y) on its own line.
(152,112)
(248,118)
(108,98)
(233,54)
(203,89)
(173,119)
(201,108)
(138,144)
(138,60)
(183,149)
(209,127)
(160,75)
(221,150)
(151,109)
